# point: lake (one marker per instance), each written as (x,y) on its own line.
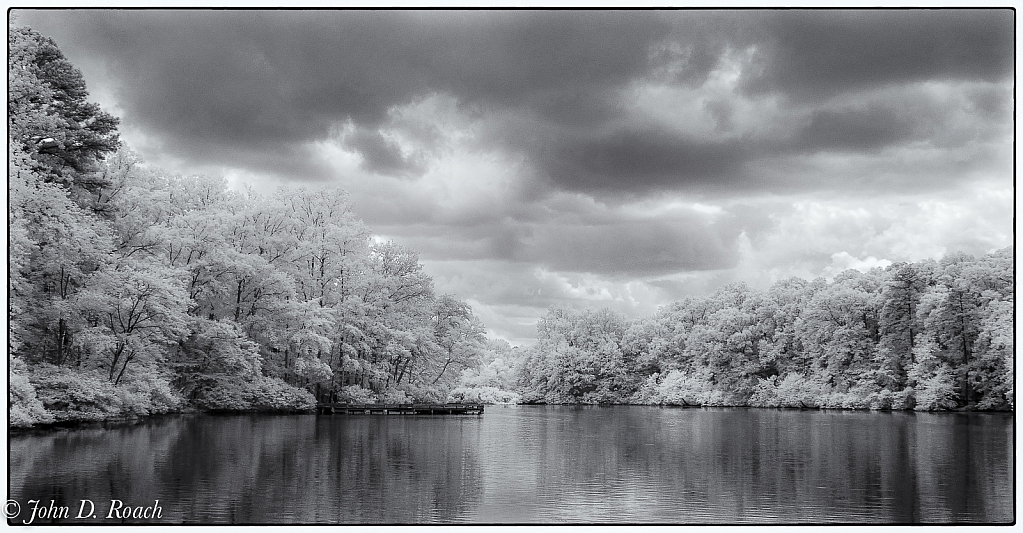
(526,464)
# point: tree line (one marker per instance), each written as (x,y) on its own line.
(133,291)
(932,335)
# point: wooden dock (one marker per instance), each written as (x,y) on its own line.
(399,409)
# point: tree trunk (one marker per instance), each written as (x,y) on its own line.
(61,341)
(117,357)
(124,366)
(238,300)
(442,370)
(403,368)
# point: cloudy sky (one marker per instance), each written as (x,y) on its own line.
(620,159)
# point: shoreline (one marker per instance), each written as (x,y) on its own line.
(117,422)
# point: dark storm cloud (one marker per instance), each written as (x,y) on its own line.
(584,237)
(854,130)
(639,160)
(808,57)
(382,155)
(254,88)
(812,55)
(722,112)
(991,102)
(239,78)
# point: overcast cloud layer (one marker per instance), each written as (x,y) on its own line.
(621,159)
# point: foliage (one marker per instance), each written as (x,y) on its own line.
(486,394)
(494,380)
(72,394)
(76,395)
(678,388)
(934,335)
(578,358)
(356,394)
(23,406)
(48,114)
(792,391)
(261,394)
(273,394)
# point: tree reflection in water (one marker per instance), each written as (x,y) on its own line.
(536,464)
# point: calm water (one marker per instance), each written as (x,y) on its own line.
(533,464)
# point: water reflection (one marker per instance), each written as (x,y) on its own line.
(535,464)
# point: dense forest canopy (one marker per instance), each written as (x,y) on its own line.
(133,291)
(931,335)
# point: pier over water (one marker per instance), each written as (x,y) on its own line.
(399,409)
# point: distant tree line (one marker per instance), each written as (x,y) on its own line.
(933,335)
(132,291)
